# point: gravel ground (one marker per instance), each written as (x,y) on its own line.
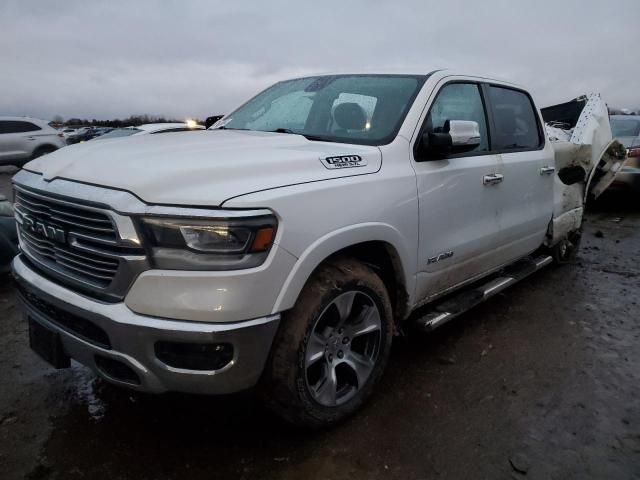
(542,381)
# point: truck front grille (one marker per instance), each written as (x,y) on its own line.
(92,267)
(66,215)
(75,243)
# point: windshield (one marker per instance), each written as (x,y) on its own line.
(365,109)
(625,127)
(120,132)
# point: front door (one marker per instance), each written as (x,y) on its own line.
(458,198)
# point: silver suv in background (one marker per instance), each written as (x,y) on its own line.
(23,139)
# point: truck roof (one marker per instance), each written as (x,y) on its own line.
(414,71)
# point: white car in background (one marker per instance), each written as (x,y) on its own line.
(68,132)
(150,128)
(23,139)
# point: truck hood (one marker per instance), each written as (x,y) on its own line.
(203,168)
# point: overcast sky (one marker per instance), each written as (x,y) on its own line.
(100,59)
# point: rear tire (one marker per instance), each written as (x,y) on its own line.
(567,249)
(331,348)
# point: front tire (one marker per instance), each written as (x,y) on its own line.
(332,347)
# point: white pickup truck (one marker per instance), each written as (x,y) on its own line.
(284,247)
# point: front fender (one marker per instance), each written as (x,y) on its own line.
(340,239)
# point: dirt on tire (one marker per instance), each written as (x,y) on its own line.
(283,386)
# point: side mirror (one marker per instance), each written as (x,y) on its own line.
(457,136)
(211,120)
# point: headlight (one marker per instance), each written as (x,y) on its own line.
(216,238)
(225,244)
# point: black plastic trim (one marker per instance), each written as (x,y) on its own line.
(67,321)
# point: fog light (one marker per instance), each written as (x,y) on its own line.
(116,370)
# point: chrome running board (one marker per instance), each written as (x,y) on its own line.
(443,311)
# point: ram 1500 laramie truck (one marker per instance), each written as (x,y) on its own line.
(285,246)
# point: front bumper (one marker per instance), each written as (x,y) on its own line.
(132,339)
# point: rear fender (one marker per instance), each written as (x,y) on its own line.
(586,158)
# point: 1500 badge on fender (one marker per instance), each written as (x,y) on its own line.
(343,161)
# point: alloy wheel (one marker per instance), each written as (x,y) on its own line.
(343,348)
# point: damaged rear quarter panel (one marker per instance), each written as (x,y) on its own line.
(586,145)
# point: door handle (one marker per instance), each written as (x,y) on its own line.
(492,179)
(547,170)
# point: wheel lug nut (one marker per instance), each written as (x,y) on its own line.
(340,331)
(330,358)
(345,340)
(340,354)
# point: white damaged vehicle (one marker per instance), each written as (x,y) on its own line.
(586,157)
(284,247)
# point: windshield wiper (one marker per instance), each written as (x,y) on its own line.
(222,127)
(308,137)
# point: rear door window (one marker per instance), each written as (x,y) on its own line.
(515,120)
(14,126)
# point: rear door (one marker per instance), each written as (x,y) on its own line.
(9,143)
(17,140)
(527,168)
